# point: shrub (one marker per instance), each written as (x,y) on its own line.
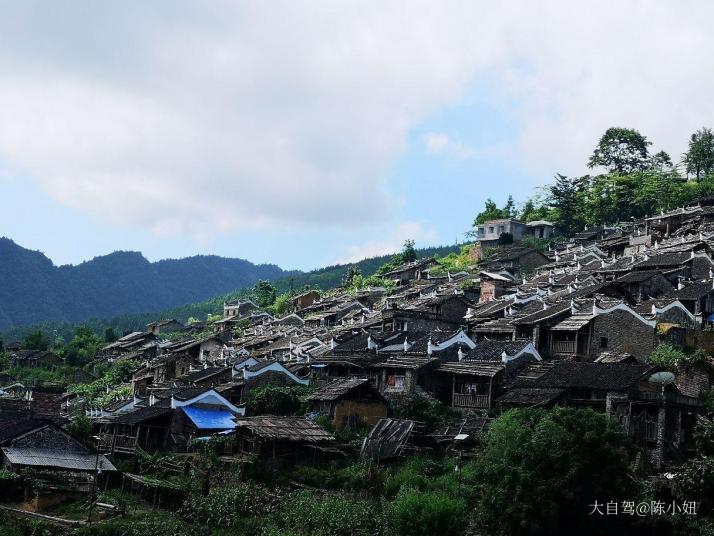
(417,513)
(427,410)
(666,355)
(306,514)
(272,400)
(229,506)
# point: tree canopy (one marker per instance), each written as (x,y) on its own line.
(621,150)
(699,158)
(541,470)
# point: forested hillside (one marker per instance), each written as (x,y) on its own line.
(198,306)
(34,290)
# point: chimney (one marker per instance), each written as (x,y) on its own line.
(461,354)
(406,345)
(429,347)
(333,343)
(680,283)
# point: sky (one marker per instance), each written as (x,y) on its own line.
(310,133)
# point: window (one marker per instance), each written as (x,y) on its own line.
(603,343)
(490,229)
(481,230)
(501,228)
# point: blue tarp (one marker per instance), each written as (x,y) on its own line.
(210,419)
(710,318)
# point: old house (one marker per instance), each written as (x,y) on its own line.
(34,358)
(305,299)
(282,440)
(164,326)
(474,380)
(603,327)
(541,229)
(488,233)
(349,402)
(432,312)
(494,286)
(516,260)
(644,284)
(170,421)
(239,308)
(29,444)
(410,271)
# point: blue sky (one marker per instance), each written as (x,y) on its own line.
(441,192)
(310,134)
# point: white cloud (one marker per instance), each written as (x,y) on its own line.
(392,243)
(435,142)
(192,117)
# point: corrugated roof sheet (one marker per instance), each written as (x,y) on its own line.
(56,458)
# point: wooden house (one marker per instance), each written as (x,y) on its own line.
(282,440)
(349,402)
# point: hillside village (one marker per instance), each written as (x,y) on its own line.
(617,319)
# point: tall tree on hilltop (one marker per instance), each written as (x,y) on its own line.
(408,253)
(621,150)
(699,159)
(565,198)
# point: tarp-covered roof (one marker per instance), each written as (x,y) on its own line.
(210,419)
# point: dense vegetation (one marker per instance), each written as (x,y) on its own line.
(34,290)
(536,472)
(634,184)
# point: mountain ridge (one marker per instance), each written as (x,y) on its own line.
(35,290)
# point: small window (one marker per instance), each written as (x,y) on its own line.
(490,229)
(603,343)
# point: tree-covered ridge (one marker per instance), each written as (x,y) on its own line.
(34,290)
(324,279)
(634,184)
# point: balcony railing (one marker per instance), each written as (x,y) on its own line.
(470,401)
(563,347)
(111,443)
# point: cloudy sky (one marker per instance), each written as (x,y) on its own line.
(306,133)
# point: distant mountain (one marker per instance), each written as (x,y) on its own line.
(324,278)
(33,290)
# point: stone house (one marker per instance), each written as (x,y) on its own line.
(488,233)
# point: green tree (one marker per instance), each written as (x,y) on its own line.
(110,335)
(273,400)
(265,293)
(349,276)
(408,253)
(83,347)
(699,158)
(35,340)
(621,150)
(566,198)
(492,212)
(661,161)
(541,470)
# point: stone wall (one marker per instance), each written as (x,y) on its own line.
(624,333)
